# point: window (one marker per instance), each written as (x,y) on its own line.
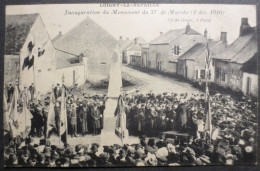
(217,73)
(176,50)
(39,70)
(224,77)
(49,69)
(202,74)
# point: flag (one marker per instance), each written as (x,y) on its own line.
(63,117)
(13,106)
(13,114)
(208,124)
(51,114)
(6,116)
(24,120)
(121,130)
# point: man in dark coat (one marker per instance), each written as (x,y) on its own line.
(95,114)
(57,91)
(79,118)
(85,119)
(57,117)
(181,117)
(73,121)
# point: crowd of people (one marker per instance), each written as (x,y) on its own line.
(232,141)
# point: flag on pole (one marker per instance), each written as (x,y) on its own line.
(13,114)
(24,121)
(63,118)
(121,130)
(6,116)
(51,114)
(13,106)
(208,124)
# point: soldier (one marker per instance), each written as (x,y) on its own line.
(95,114)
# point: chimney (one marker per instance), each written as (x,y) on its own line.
(245,27)
(188,29)
(121,38)
(136,40)
(223,36)
(161,33)
(206,33)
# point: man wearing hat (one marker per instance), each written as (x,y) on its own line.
(95,114)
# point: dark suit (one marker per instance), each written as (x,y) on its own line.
(57,92)
(57,118)
(73,121)
(95,114)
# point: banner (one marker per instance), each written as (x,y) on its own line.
(63,117)
(51,114)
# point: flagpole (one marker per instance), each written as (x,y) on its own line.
(207,91)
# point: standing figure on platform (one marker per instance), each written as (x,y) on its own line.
(32,91)
(95,114)
(57,91)
(10,92)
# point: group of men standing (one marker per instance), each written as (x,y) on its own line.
(84,114)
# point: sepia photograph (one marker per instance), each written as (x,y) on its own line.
(130,84)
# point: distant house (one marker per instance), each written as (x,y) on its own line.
(191,64)
(165,50)
(28,46)
(250,77)
(228,64)
(145,55)
(92,41)
(133,50)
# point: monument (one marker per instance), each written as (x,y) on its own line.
(112,132)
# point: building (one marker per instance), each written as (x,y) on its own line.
(27,43)
(191,64)
(133,49)
(92,41)
(29,48)
(145,55)
(165,50)
(228,64)
(250,77)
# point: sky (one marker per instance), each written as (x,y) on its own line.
(214,18)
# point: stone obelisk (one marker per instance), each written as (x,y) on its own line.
(108,135)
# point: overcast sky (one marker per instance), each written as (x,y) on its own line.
(146,26)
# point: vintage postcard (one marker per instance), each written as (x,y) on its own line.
(130,84)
